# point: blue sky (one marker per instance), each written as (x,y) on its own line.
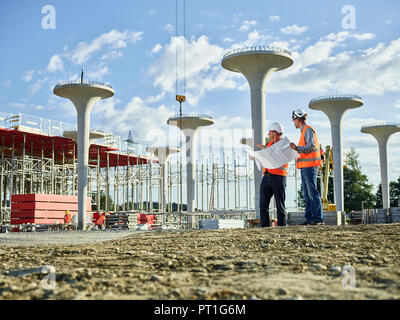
(132,46)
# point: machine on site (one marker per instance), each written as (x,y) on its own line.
(326,169)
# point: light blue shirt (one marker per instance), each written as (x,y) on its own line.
(309,140)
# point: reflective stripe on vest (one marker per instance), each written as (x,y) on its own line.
(312,159)
(281,171)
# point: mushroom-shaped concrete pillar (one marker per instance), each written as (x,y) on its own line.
(83,94)
(257,64)
(162,154)
(382,132)
(335,106)
(189,124)
(93,135)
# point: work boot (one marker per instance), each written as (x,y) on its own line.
(316,223)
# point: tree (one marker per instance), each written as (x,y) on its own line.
(357,191)
(394,193)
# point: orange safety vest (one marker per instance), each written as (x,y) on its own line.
(67,218)
(100,220)
(281,171)
(312,159)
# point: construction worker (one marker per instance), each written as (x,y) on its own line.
(67,217)
(273,182)
(101,221)
(308,163)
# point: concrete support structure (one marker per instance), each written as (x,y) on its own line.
(257,64)
(93,135)
(189,124)
(83,94)
(335,106)
(162,154)
(382,133)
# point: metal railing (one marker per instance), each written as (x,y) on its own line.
(79,82)
(335,97)
(258,49)
(381,123)
(43,126)
(190,115)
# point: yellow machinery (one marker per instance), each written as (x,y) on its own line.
(326,167)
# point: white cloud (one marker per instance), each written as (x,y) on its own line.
(149,125)
(156,49)
(274,18)
(247,24)
(201,74)
(28,75)
(17,105)
(397,104)
(169,28)
(55,64)
(97,74)
(35,87)
(112,40)
(229,40)
(320,67)
(112,55)
(294,29)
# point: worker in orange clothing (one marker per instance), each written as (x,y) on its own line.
(67,217)
(273,182)
(308,163)
(101,221)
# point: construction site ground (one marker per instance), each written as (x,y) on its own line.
(295,262)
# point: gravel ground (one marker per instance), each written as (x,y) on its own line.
(296,262)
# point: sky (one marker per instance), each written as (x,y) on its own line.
(149,51)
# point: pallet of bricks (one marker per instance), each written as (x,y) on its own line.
(121,220)
(43,209)
(149,220)
(356,217)
(130,220)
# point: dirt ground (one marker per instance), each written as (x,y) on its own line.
(296,262)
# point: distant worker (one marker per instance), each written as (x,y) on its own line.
(308,163)
(67,217)
(101,221)
(273,182)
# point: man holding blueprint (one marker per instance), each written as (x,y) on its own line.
(274,158)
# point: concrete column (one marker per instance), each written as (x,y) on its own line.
(382,133)
(257,64)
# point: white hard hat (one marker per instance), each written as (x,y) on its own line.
(298,113)
(276,126)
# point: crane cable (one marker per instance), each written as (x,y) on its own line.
(180,98)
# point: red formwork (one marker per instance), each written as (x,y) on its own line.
(43,208)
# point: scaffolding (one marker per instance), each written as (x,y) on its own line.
(122,176)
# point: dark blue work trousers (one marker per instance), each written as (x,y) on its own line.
(272,185)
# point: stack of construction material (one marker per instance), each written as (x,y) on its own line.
(356,217)
(122,220)
(332,218)
(43,208)
(378,216)
(221,224)
(395,215)
(147,221)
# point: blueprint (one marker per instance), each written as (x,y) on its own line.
(274,156)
